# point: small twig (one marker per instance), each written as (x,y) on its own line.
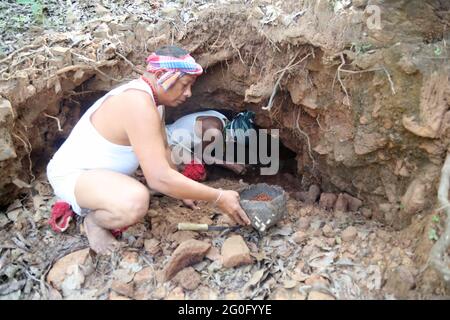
(74,93)
(283,71)
(338,72)
(87,67)
(218,37)
(270,40)
(31,46)
(297,126)
(130,63)
(275,88)
(28,149)
(57,121)
(390,80)
(237,49)
(254,60)
(320,126)
(438,256)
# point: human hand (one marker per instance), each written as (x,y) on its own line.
(229,204)
(191,204)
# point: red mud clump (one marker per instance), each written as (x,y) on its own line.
(262,197)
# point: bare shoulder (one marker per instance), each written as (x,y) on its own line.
(134,102)
(136,96)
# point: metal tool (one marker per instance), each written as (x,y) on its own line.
(186,226)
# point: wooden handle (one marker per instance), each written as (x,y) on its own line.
(186,226)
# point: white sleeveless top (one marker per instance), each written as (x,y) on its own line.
(182,131)
(86,148)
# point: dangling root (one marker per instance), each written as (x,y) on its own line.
(438,256)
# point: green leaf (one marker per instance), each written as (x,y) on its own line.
(437,51)
(432,235)
(435,219)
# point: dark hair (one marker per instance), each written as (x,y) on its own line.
(171,51)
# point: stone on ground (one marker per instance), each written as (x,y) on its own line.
(188,278)
(349,234)
(327,201)
(317,295)
(65,265)
(188,253)
(235,252)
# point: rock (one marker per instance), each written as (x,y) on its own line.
(280,294)
(327,201)
(3,220)
(188,278)
(428,119)
(317,295)
(359,3)
(303,223)
(176,294)
(122,288)
(144,276)
(406,63)
(188,253)
(315,279)
(205,293)
(123,275)
(54,294)
(115,296)
(73,281)
(233,296)
(301,196)
(349,234)
(299,237)
(102,31)
(363,120)
(14,214)
(367,213)
(65,265)
(353,203)
(414,198)
(142,293)
(159,293)
(368,142)
(101,10)
(130,261)
(295,295)
(289,284)
(313,194)
(327,231)
(285,294)
(331,241)
(309,197)
(341,203)
(235,252)
(152,246)
(400,281)
(213,254)
(181,236)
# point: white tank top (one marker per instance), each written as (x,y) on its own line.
(86,148)
(187,123)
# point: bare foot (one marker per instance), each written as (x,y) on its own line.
(100,240)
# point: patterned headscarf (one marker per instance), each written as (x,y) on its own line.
(174,68)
